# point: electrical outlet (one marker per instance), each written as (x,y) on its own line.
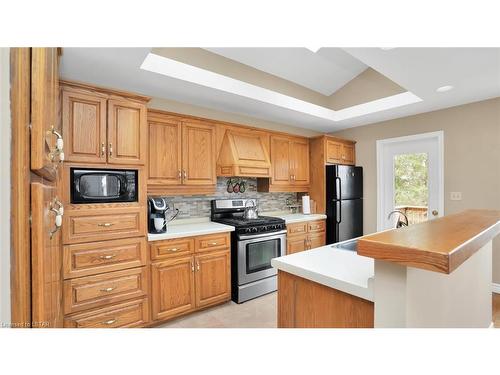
(456,196)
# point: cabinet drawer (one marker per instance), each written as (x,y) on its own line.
(92,225)
(95,291)
(105,256)
(297,228)
(212,242)
(172,248)
(316,226)
(124,315)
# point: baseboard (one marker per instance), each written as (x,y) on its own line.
(496,288)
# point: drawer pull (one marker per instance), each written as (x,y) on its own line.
(105,225)
(107,257)
(173,249)
(107,290)
(109,322)
(212,243)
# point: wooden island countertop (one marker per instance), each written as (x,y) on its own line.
(440,245)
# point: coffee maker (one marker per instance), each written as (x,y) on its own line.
(157,214)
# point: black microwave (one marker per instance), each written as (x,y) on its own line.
(103,185)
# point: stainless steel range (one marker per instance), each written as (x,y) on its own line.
(253,244)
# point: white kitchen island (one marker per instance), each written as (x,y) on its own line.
(433,274)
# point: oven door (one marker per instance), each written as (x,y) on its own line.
(255,253)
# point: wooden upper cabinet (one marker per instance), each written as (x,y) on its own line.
(126,132)
(300,158)
(339,152)
(44,111)
(164,152)
(198,153)
(280,160)
(290,165)
(101,126)
(333,151)
(348,153)
(84,127)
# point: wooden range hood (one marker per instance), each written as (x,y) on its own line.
(243,154)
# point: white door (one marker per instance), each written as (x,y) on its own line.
(410,178)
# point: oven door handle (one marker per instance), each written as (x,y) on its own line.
(268,234)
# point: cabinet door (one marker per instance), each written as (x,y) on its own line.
(348,154)
(198,154)
(44,107)
(295,244)
(84,127)
(172,287)
(165,159)
(280,160)
(213,278)
(126,132)
(316,240)
(46,276)
(300,157)
(333,152)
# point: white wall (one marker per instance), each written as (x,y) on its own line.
(4,188)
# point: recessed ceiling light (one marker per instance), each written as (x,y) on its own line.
(314,49)
(444,88)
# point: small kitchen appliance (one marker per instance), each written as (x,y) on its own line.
(158,216)
(255,241)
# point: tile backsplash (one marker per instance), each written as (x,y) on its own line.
(191,206)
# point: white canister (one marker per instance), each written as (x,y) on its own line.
(306,204)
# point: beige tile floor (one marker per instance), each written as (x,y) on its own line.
(257,313)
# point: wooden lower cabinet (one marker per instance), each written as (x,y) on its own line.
(172,287)
(123,315)
(213,278)
(100,290)
(305,236)
(186,281)
(296,244)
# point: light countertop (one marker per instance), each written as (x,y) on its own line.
(336,268)
(190,227)
(294,218)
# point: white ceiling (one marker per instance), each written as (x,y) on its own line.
(475,73)
(325,71)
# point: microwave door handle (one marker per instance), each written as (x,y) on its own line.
(77,184)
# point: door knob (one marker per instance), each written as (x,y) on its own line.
(435,212)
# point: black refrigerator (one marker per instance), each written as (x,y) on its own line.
(344,202)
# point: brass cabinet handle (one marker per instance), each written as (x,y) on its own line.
(180,174)
(173,249)
(197,265)
(192,266)
(105,225)
(110,149)
(107,290)
(185,174)
(107,257)
(109,322)
(103,149)
(212,243)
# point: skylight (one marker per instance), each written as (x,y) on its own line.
(175,69)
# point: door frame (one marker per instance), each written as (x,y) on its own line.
(381,143)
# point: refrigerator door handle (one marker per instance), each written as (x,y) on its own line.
(338,212)
(338,192)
